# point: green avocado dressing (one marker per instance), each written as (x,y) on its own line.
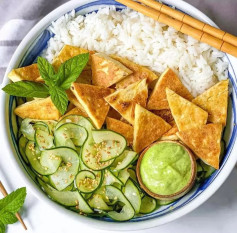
(165,168)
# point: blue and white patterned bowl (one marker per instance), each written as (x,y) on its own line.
(26,53)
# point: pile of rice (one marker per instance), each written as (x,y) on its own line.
(143,40)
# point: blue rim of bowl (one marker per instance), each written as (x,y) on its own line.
(42,43)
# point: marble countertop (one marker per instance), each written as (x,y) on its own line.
(218,214)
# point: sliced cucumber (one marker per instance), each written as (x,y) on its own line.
(22,147)
(27,129)
(43,139)
(162,202)
(109,144)
(67,198)
(110,178)
(127,212)
(50,160)
(97,202)
(148,205)
(70,135)
(133,195)
(132,174)
(77,119)
(124,160)
(34,156)
(123,175)
(40,125)
(68,169)
(87,182)
(91,157)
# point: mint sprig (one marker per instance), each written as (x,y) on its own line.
(55,85)
(9,206)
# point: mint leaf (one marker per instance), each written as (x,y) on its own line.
(8,218)
(27,89)
(2,227)
(59,98)
(46,71)
(13,202)
(70,70)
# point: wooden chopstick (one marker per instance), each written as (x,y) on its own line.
(182,27)
(4,192)
(195,23)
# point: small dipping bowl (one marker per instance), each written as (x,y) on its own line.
(170,169)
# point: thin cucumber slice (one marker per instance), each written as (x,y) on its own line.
(132,193)
(77,119)
(97,202)
(70,188)
(91,157)
(132,174)
(148,205)
(50,160)
(109,144)
(68,169)
(41,126)
(123,175)
(110,178)
(67,198)
(70,135)
(162,202)
(43,139)
(87,182)
(127,212)
(124,160)
(27,129)
(34,157)
(22,147)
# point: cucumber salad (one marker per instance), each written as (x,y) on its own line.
(92,172)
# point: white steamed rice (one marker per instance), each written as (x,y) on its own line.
(143,40)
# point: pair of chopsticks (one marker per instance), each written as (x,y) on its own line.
(4,192)
(186,24)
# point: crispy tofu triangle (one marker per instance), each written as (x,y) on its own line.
(27,73)
(186,114)
(148,128)
(106,71)
(165,114)
(139,73)
(73,99)
(76,111)
(125,100)
(169,80)
(215,102)
(40,109)
(120,127)
(68,52)
(92,100)
(205,142)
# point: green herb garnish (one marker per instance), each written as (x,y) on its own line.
(9,206)
(55,85)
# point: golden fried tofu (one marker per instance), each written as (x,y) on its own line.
(27,73)
(120,127)
(92,99)
(148,128)
(186,114)
(165,114)
(215,102)
(205,142)
(171,134)
(40,109)
(106,71)
(113,114)
(68,52)
(125,100)
(139,73)
(76,111)
(168,79)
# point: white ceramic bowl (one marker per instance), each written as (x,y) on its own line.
(31,45)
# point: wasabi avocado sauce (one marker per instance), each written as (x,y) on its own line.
(166,168)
